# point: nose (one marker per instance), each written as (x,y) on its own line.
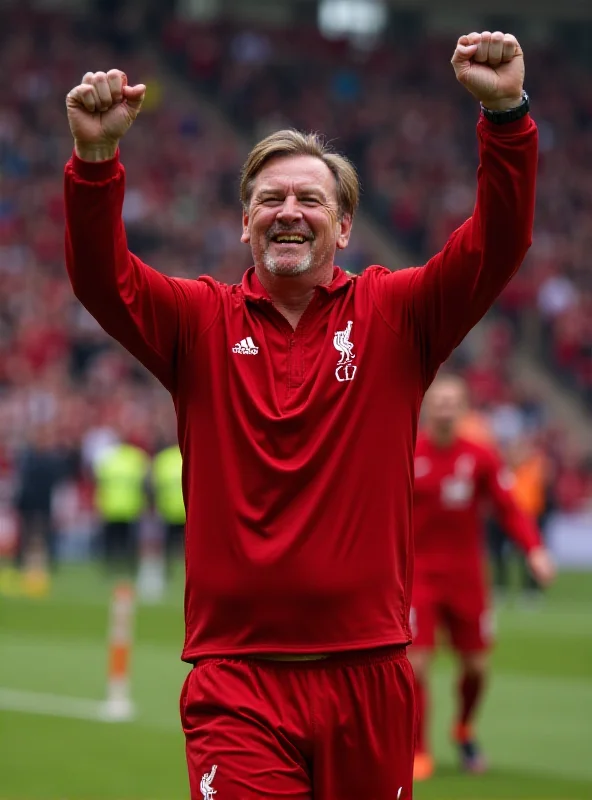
(289,211)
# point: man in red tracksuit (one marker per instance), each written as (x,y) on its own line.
(456,480)
(297,394)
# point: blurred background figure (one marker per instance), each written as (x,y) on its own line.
(167,466)
(456,480)
(41,466)
(121,499)
(532,491)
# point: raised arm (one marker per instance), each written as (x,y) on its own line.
(145,311)
(440,302)
(455,289)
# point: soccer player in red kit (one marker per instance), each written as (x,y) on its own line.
(455,481)
(297,395)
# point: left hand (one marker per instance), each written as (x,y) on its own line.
(541,566)
(491,67)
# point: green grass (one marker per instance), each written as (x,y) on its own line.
(536,725)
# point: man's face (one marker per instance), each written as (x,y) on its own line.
(445,405)
(293,222)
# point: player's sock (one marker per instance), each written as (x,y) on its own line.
(470,690)
(423,765)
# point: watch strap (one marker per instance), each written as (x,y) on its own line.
(510,114)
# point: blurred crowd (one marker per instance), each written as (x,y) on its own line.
(397,112)
(409,127)
(58,369)
(68,390)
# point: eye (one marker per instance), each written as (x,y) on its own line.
(271,201)
(310,201)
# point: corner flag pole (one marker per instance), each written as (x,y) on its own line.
(118,705)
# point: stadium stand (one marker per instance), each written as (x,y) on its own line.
(408,128)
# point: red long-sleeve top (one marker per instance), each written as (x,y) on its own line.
(298,444)
(454,486)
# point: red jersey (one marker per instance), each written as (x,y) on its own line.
(298,444)
(454,486)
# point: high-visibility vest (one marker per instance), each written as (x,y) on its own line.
(529,485)
(121,475)
(166,481)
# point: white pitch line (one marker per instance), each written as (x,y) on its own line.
(55,705)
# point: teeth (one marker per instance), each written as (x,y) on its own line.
(296,239)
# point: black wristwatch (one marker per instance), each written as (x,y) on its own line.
(510,115)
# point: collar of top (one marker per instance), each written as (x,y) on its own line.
(253,289)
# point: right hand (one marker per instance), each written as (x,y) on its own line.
(491,67)
(541,566)
(100,111)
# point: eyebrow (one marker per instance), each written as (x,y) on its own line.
(268,190)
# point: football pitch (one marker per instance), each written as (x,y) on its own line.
(536,727)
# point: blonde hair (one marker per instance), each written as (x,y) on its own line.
(444,378)
(291,142)
(455,381)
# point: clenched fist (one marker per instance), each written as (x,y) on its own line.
(491,67)
(100,111)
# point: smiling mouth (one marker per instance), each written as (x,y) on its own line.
(289,238)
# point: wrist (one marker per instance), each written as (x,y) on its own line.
(96,153)
(534,548)
(504,103)
(501,116)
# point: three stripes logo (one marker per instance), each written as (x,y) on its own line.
(246,347)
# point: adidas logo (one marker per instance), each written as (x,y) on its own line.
(246,347)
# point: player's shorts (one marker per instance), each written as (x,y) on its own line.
(460,613)
(338,729)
